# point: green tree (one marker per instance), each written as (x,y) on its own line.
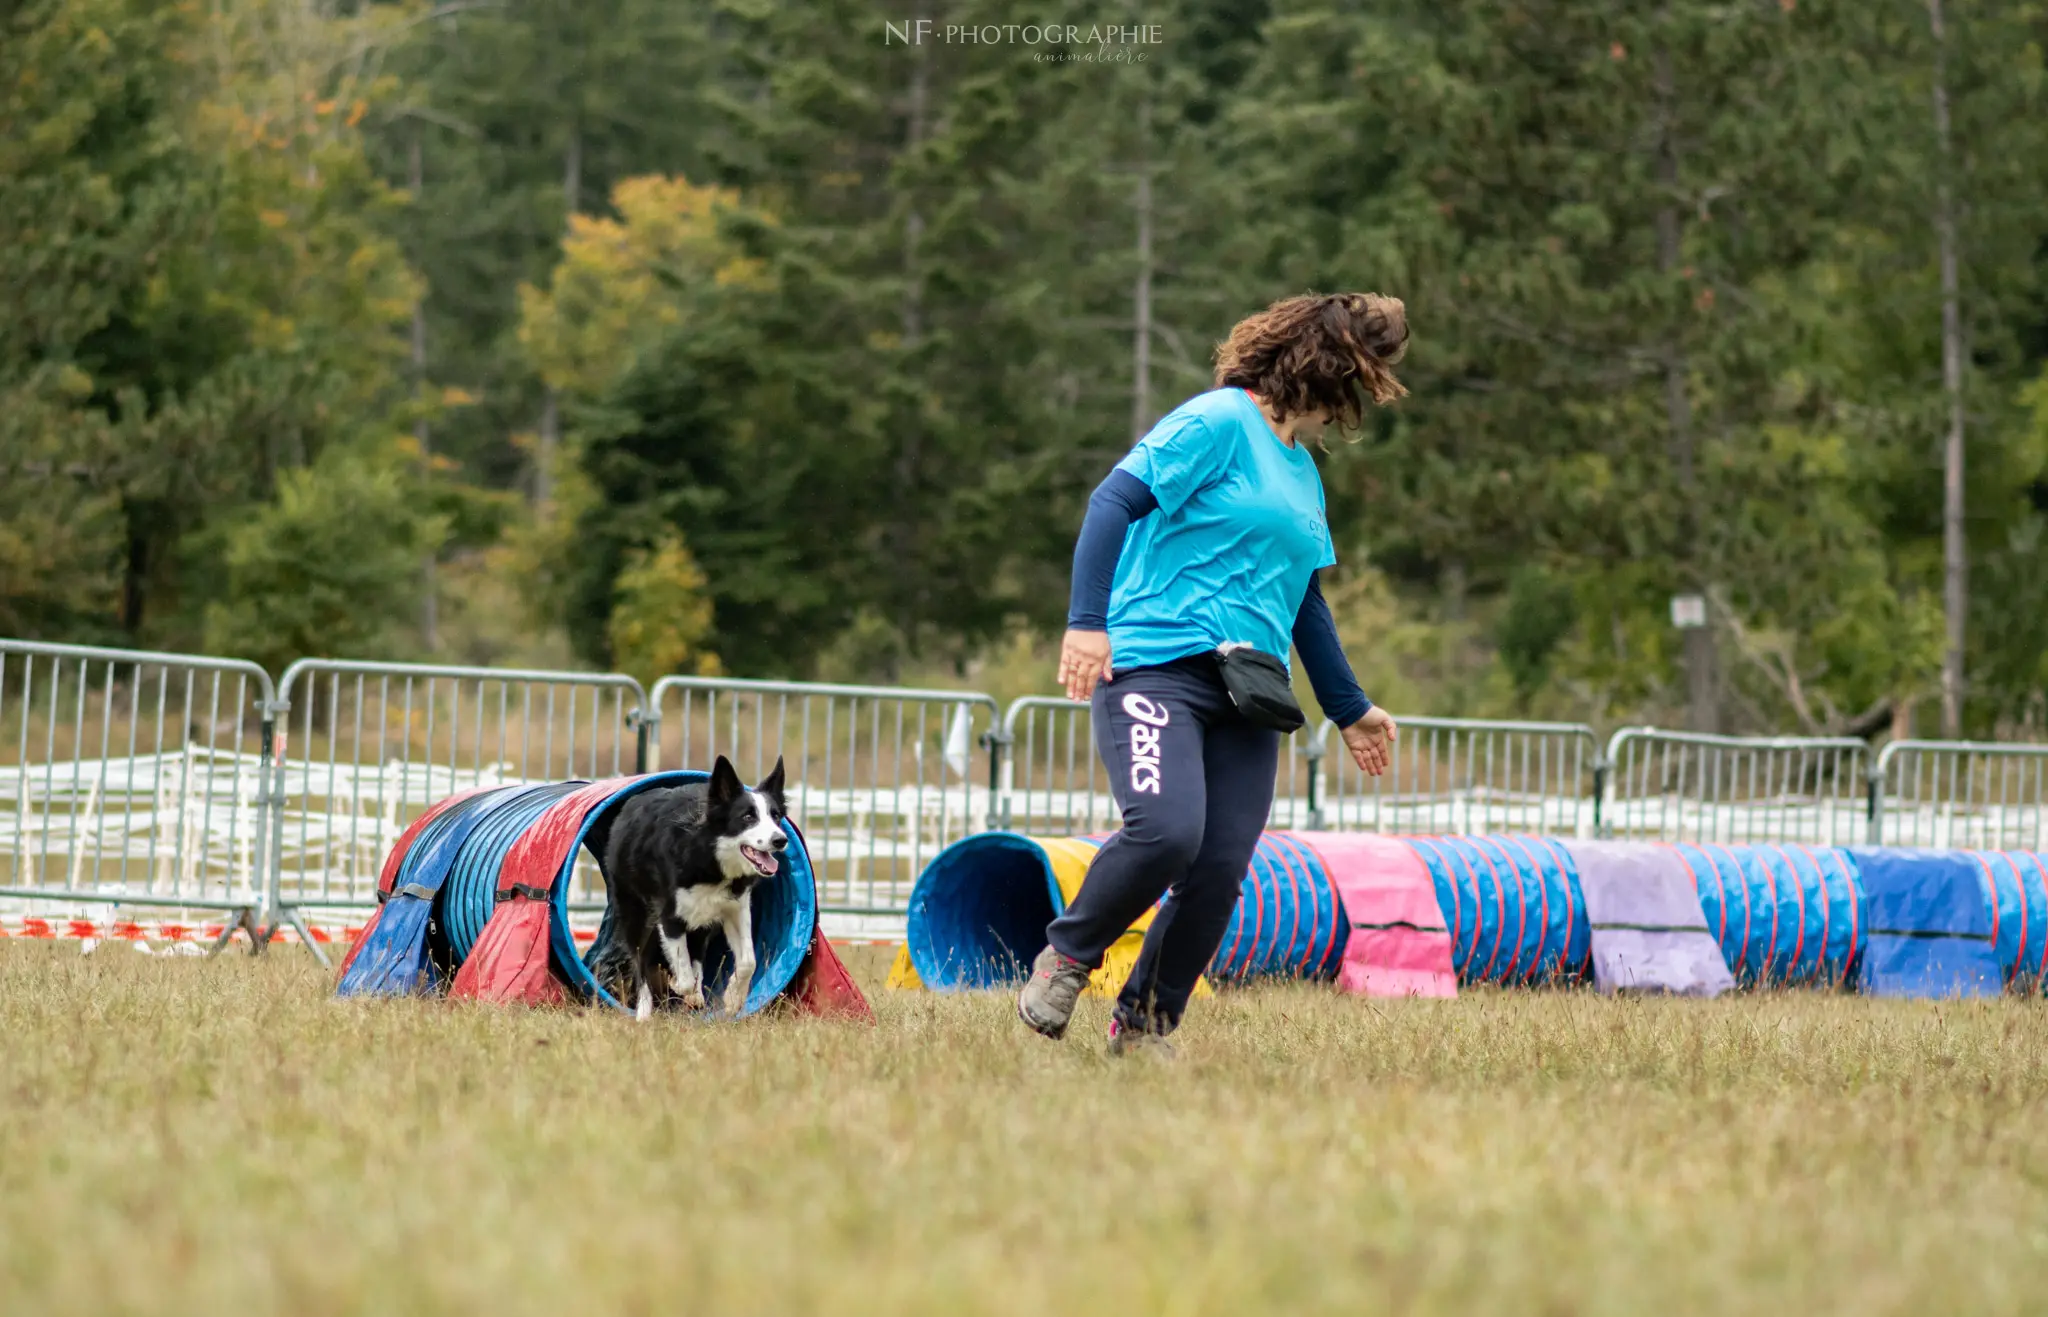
(1623,236)
(330,566)
(662,620)
(98,194)
(520,115)
(215,304)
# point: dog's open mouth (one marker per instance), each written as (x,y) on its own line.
(763,862)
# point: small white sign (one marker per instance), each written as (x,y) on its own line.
(1688,611)
(958,736)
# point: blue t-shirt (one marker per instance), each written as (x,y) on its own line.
(1240,529)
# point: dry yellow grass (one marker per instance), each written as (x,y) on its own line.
(185,1136)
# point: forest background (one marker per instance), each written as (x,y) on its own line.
(786,338)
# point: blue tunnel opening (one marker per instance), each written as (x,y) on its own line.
(979,912)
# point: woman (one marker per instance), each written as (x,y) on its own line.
(1209,534)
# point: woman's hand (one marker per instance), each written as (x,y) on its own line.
(1371,741)
(1084,660)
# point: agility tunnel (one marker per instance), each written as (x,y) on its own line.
(473,900)
(1512,905)
(410,944)
(1929,919)
(2017,884)
(1398,916)
(1387,935)
(978,913)
(1784,916)
(1646,925)
(1378,915)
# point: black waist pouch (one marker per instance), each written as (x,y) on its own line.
(1258,686)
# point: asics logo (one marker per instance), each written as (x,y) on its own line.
(1147,719)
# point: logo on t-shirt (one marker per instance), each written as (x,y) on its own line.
(1147,719)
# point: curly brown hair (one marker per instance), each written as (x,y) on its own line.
(1326,352)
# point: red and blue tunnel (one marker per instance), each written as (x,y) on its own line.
(473,900)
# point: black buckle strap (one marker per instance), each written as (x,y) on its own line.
(410,889)
(522,889)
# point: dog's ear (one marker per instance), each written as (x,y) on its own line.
(726,786)
(771,785)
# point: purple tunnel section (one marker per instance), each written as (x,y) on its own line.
(1648,930)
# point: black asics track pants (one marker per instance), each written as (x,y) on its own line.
(1195,783)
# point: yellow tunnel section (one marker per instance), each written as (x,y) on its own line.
(977,916)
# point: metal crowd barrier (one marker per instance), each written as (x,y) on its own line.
(1688,786)
(188,783)
(364,748)
(880,778)
(1464,776)
(1963,794)
(134,779)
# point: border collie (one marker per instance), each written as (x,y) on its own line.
(681,863)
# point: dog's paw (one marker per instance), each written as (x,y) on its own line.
(734,1000)
(694,999)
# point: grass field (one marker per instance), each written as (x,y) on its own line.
(195,1136)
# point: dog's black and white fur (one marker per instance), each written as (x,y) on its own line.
(681,864)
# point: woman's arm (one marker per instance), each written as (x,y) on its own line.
(1369,733)
(1118,501)
(1322,657)
(1084,652)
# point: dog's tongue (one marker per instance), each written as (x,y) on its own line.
(764,863)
